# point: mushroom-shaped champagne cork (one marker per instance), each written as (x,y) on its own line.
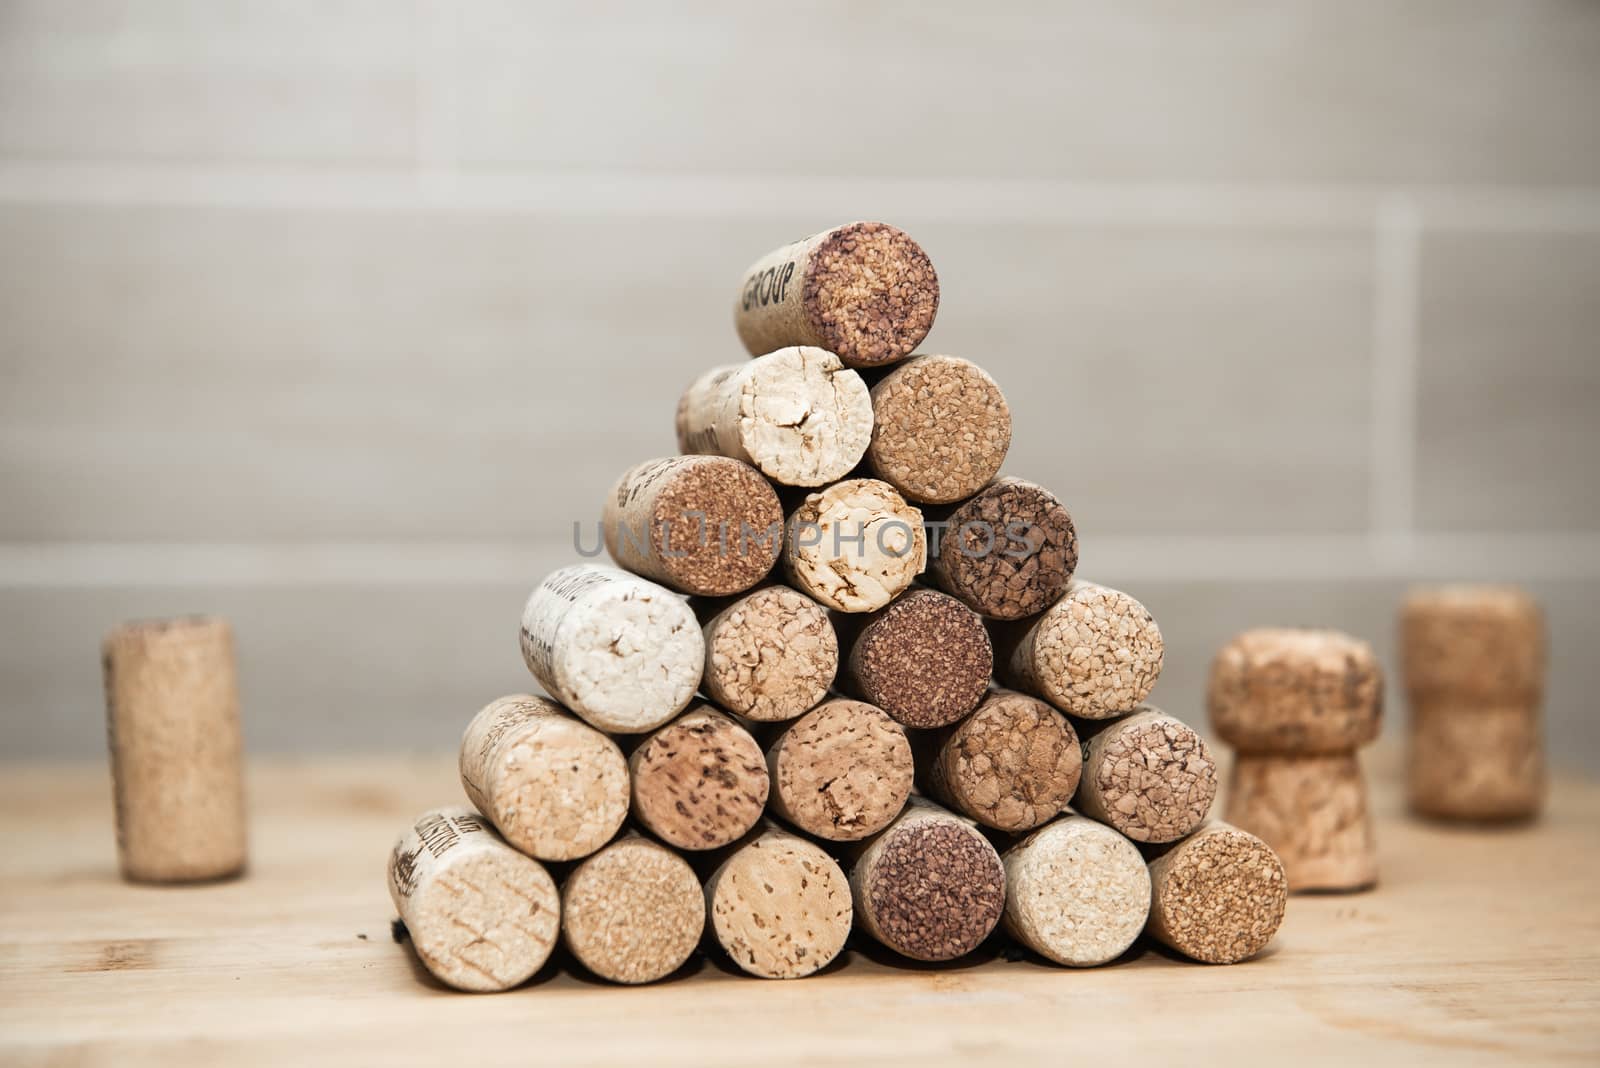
(700,782)
(926,659)
(1011,765)
(1296,704)
(633,912)
(1218,896)
(864,291)
(770,654)
(940,429)
(1149,775)
(854,546)
(1007,552)
(841,771)
(1077,892)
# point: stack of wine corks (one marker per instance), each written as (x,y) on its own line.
(843,680)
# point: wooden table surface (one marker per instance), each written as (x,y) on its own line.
(1478,946)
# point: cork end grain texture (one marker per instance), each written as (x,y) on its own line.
(1217,897)
(1150,776)
(771,655)
(1011,765)
(842,771)
(925,660)
(632,913)
(699,782)
(780,907)
(1484,643)
(870,293)
(1475,762)
(854,546)
(1094,654)
(1009,551)
(697,520)
(934,889)
(1077,892)
(1290,690)
(1312,810)
(940,431)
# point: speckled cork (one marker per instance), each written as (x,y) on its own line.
(840,772)
(1479,763)
(1011,765)
(854,546)
(1483,644)
(700,782)
(1292,690)
(708,525)
(770,655)
(797,415)
(1095,654)
(556,788)
(779,906)
(925,659)
(1218,896)
(1312,810)
(633,912)
(864,290)
(481,916)
(1008,552)
(1148,775)
(940,429)
(1077,892)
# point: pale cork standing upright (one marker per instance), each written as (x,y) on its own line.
(1011,765)
(770,655)
(633,912)
(1077,892)
(172,718)
(699,782)
(1149,775)
(1008,551)
(940,429)
(925,659)
(854,546)
(1218,896)
(841,771)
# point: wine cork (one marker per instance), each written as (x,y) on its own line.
(556,788)
(864,290)
(633,912)
(623,653)
(700,524)
(172,719)
(699,782)
(1008,552)
(481,916)
(1148,775)
(1218,896)
(770,655)
(1011,765)
(854,545)
(925,659)
(930,886)
(940,429)
(1483,644)
(797,415)
(779,906)
(1095,654)
(1475,762)
(1077,892)
(841,771)
(1312,810)
(1289,690)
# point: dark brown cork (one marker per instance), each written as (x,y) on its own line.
(925,659)
(1294,690)
(1481,644)
(700,782)
(1218,896)
(842,771)
(1012,765)
(1148,775)
(1008,552)
(941,429)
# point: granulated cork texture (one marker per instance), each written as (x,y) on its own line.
(842,771)
(1475,762)
(1150,776)
(1094,654)
(1009,551)
(699,782)
(633,912)
(1011,765)
(854,546)
(940,429)
(1218,896)
(1312,810)
(770,655)
(1293,690)
(925,659)
(1077,892)
(780,907)
(1479,643)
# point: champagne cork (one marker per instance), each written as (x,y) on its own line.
(1077,892)
(1475,762)
(925,659)
(1474,644)
(930,886)
(1218,896)
(481,916)
(940,429)
(623,653)
(1011,765)
(779,906)
(1148,775)
(554,787)
(1312,810)
(770,655)
(854,545)
(700,524)
(841,771)
(633,912)
(1008,552)
(797,415)
(864,290)
(1095,654)
(699,782)
(172,718)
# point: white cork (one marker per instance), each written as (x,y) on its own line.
(620,651)
(1077,892)
(481,916)
(855,545)
(779,906)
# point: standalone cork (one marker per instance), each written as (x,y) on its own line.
(1474,644)
(699,782)
(701,524)
(1149,775)
(940,429)
(1011,765)
(1008,552)
(1095,654)
(865,291)
(855,545)
(623,653)
(172,718)
(1218,896)
(1475,762)
(556,788)
(797,415)
(930,886)
(481,916)
(770,655)
(1077,892)
(633,912)
(925,659)
(841,771)
(1312,810)
(779,906)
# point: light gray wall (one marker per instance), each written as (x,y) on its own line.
(333,316)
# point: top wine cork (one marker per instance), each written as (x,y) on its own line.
(1149,775)
(940,429)
(797,415)
(841,772)
(701,524)
(770,654)
(1288,690)
(1218,896)
(623,653)
(1485,644)
(854,545)
(864,291)
(700,782)
(1008,552)
(1095,654)
(925,659)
